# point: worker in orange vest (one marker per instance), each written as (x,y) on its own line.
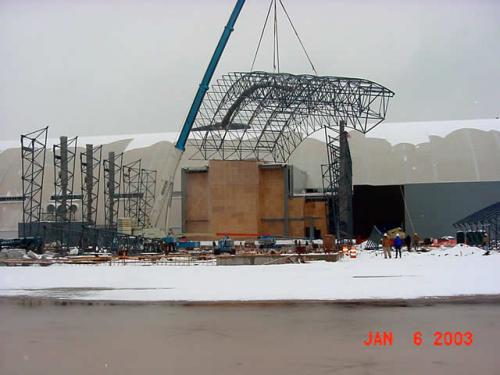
(386,245)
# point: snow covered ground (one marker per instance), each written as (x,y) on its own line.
(460,270)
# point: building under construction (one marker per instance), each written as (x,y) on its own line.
(412,184)
(239,167)
(245,199)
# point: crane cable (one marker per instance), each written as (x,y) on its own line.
(261,35)
(276,48)
(298,38)
(407,210)
(276,61)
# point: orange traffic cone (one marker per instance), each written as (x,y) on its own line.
(353,252)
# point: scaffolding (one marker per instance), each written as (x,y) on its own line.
(132,190)
(148,189)
(33,150)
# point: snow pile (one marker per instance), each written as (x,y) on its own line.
(438,273)
(458,250)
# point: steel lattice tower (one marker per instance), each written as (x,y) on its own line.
(33,149)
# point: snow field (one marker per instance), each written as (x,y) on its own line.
(443,272)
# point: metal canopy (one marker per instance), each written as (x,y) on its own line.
(487,220)
(487,215)
(265,116)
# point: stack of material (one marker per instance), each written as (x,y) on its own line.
(12,253)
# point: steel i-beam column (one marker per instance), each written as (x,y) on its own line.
(61,215)
(89,177)
(111,189)
(345,184)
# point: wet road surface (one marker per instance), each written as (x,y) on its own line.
(243,339)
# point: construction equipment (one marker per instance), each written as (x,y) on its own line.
(226,245)
(266,242)
(28,243)
(162,205)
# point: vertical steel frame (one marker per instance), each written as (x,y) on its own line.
(64,170)
(112,188)
(132,187)
(33,150)
(148,190)
(337,184)
(90,163)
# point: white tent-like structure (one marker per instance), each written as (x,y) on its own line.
(418,155)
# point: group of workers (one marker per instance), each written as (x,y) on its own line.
(398,242)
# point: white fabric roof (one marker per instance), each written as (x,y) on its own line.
(395,133)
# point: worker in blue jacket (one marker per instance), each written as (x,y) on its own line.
(398,244)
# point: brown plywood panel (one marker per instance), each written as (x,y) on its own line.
(272,228)
(296,228)
(296,207)
(233,188)
(317,209)
(296,211)
(196,205)
(271,192)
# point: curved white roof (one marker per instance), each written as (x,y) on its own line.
(393,132)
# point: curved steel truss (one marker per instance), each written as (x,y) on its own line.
(265,116)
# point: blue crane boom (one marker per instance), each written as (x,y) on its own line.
(205,82)
(163,201)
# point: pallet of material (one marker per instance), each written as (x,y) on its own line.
(26,262)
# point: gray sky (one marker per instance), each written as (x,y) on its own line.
(133,66)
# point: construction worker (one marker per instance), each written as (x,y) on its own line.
(169,241)
(398,244)
(386,245)
(416,241)
(408,242)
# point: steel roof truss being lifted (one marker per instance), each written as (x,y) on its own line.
(265,116)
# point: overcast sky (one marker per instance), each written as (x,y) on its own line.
(133,66)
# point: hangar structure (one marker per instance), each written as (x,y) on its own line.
(445,170)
